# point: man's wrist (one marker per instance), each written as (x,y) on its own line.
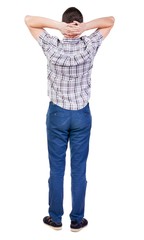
(84,26)
(60,26)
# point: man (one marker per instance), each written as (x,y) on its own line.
(70,63)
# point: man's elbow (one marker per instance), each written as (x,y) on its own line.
(27,20)
(112,20)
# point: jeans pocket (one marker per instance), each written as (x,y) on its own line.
(86,110)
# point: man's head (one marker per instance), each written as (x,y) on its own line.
(72,14)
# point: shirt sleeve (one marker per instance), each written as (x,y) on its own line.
(96,37)
(96,40)
(47,42)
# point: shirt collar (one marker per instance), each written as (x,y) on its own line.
(71,40)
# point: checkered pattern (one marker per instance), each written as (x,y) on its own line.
(69,66)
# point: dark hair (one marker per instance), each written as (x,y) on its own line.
(72,14)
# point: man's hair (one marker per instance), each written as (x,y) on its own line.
(72,14)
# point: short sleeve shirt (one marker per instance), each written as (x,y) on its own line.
(69,67)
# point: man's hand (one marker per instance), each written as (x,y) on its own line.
(72,30)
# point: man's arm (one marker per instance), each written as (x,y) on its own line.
(104,25)
(36,26)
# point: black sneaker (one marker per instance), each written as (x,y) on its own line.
(47,220)
(75,226)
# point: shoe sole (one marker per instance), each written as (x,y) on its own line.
(77,229)
(55,228)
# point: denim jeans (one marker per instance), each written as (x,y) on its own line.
(65,126)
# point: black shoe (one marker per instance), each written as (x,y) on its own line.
(75,226)
(47,220)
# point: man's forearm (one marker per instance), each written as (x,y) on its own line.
(42,22)
(104,22)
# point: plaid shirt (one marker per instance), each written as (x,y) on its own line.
(69,66)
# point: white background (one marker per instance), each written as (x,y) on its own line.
(115,170)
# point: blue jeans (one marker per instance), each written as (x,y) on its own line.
(65,126)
